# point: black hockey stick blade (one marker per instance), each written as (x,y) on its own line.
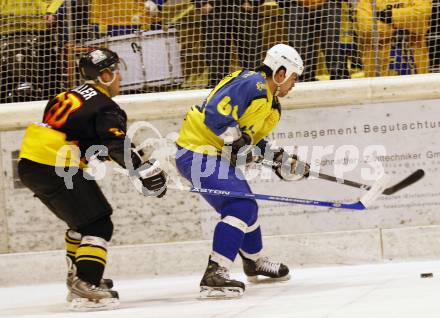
(412,178)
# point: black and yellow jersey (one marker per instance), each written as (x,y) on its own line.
(241,99)
(78,118)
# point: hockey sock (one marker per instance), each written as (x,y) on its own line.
(252,242)
(91,259)
(228,237)
(72,240)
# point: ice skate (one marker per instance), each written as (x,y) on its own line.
(216,283)
(87,297)
(271,271)
(106,283)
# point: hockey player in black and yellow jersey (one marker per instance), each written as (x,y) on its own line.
(219,136)
(72,122)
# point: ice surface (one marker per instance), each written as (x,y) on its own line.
(373,291)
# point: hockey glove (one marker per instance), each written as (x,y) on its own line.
(386,16)
(153,178)
(239,152)
(289,168)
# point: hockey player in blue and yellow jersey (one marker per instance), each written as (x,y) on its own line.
(218,137)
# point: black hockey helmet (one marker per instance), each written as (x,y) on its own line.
(94,62)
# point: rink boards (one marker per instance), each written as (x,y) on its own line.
(161,236)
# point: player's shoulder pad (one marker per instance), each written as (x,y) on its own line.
(255,84)
(96,100)
(85,92)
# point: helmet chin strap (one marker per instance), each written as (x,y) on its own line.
(277,91)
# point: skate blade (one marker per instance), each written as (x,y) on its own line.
(106,283)
(69,297)
(267,280)
(220,292)
(85,304)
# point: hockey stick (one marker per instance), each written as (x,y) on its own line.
(412,178)
(374,191)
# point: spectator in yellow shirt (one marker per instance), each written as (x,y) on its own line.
(123,17)
(29,43)
(391,15)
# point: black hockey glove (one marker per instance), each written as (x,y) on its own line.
(386,15)
(153,178)
(239,152)
(289,168)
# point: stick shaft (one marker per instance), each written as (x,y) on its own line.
(412,178)
(320,175)
(350,183)
(256,196)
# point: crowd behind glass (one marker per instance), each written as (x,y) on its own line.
(191,44)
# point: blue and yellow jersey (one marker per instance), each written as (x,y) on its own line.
(242,98)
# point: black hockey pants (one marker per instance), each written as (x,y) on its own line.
(79,207)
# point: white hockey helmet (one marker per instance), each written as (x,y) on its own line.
(284,55)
